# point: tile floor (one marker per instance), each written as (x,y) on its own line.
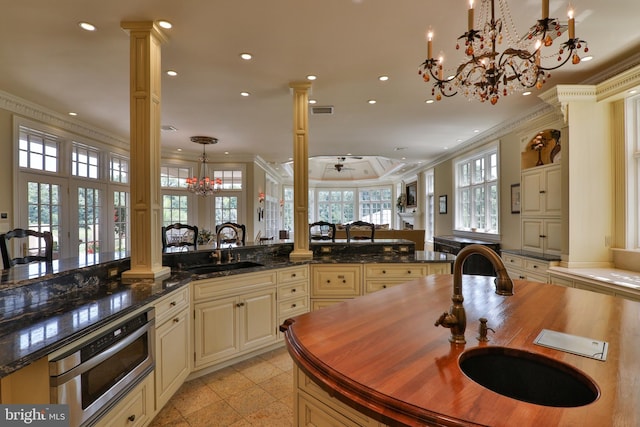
(256,392)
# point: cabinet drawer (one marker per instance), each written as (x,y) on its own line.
(293,274)
(134,410)
(512,261)
(292,290)
(379,271)
(378,285)
(561,281)
(336,280)
(293,306)
(537,267)
(231,285)
(172,304)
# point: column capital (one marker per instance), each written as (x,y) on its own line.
(144,27)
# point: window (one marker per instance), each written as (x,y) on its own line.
(120,220)
(84,162)
(226,209)
(44,201)
(174,177)
(89,209)
(632,108)
(38,150)
(335,206)
(231,179)
(375,205)
(430,206)
(175,208)
(119,170)
(477,186)
(287,209)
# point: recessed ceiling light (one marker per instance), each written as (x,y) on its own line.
(172,73)
(226,153)
(445,148)
(372,101)
(476,130)
(71,113)
(179,149)
(633,91)
(458,140)
(246,56)
(383,78)
(311,77)
(586,58)
(429,101)
(86,26)
(165,24)
(527,93)
(312,101)
(245,93)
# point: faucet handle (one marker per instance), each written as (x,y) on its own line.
(446,320)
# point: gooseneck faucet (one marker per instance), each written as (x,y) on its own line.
(456,318)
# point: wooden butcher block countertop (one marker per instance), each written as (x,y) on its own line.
(382,354)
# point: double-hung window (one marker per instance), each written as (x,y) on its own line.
(477,185)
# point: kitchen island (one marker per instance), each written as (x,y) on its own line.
(379,358)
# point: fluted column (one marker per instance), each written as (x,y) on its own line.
(300,171)
(146,207)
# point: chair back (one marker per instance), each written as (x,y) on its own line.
(236,235)
(179,235)
(322,230)
(360,230)
(43,252)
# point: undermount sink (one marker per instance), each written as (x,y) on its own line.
(214,268)
(528,377)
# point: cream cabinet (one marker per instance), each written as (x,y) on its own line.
(173,331)
(541,191)
(381,275)
(233,316)
(135,410)
(293,293)
(314,407)
(601,287)
(543,235)
(527,268)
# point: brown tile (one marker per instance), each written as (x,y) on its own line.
(192,396)
(217,414)
(228,383)
(279,386)
(276,414)
(250,400)
(169,414)
(260,372)
(280,358)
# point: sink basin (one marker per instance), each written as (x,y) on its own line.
(528,377)
(214,268)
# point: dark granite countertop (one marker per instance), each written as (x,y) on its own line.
(534,255)
(43,310)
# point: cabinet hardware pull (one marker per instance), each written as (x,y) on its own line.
(131,418)
(293,306)
(176,320)
(408,271)
(384,286)
(293,275)
(535,266)
(328,281)
(344,281)
(542,236)
(240,304)
(522,277)
(542,191)
(384,271)
(293,290)
(172,303)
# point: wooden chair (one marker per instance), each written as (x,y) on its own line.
(20,233)
(237,237)
(360,233)
(179,235)
(322,230)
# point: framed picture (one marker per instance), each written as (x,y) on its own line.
(443,204)
(515,198)
(412,194)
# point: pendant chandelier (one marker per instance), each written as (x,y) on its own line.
(203,185)
(486,73)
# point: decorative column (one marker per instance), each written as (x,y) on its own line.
(300,171)
(146,209)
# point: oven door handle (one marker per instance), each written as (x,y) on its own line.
(99,358)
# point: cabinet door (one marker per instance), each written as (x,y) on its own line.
(258,318)
(216,331)
(553,191)
(553,240)
(530,196)
(172,356)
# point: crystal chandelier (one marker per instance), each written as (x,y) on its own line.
(203,185)
(485,73)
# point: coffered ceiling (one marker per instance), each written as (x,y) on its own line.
(348,44)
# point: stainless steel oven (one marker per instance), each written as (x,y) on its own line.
(94,374)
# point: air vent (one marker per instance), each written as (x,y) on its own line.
(327,109)
(169,128)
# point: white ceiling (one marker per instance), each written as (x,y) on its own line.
(47,59)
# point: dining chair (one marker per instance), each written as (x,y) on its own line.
(40,242)
(237,235)
(360,230)
(179,235)
(322,230)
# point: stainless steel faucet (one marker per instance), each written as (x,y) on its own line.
(456,318)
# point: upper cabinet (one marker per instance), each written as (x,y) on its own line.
(542,190)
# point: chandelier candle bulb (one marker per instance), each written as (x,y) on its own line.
(572,24)
(470,15)
(429,44)
(545,9)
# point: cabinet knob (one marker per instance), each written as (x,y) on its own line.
(384,271)
(172,303)
(408,271)
(535,266)
(328,281)
(131,418)
(293,275)
(542,236)
(293,290)
(344,281)
(542,191)
(521,277)
(384,286)
(240,304)
(293,306)
(176,320)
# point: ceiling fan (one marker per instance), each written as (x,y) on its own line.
(339,166)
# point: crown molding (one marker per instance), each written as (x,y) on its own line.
(33,111)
